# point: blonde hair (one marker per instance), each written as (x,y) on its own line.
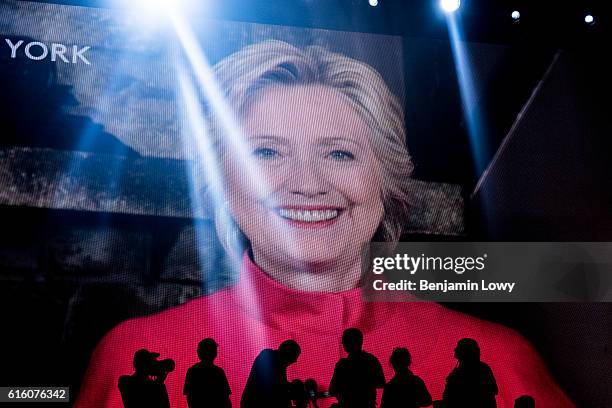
(242,74)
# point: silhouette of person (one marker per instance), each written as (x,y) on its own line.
(404,390)
(471,383)
(357,376)
(145,388)
(267,385)
(524,401)
(205,383)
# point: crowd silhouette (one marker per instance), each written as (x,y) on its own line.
(355,380)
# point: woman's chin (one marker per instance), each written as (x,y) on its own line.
(316,253)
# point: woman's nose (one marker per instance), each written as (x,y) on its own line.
(306,179)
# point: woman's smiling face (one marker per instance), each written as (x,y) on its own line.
(313,152)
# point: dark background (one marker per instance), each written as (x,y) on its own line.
(69,276)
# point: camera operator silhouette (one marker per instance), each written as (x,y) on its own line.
(267,385)
(145,388)
(471,383)
(205,383)
(524,401)
(404,390)
(357,376)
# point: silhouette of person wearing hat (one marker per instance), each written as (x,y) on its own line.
(267,385)
(205,383)
(471,383)
(145,388)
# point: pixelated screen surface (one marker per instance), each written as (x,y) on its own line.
(198,178)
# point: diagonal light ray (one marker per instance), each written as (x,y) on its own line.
(240,150)
(465,79)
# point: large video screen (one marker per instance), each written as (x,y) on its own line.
(192,200)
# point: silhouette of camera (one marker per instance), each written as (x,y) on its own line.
(159,368)
(147,363)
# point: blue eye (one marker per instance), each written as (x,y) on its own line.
(265,153)
(342,155)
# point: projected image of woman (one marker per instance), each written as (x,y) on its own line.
(327,171)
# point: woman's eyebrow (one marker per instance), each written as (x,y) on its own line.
(271,138)
(330,140)
(323,141)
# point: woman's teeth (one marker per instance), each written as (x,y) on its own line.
(308,215)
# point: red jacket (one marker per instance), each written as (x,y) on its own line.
(259,313)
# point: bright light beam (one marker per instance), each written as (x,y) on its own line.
(450,6)
(212,94)
(157,8)
(471,112)
(151,15)
(196,139)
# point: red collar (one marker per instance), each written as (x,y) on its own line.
(278,305)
